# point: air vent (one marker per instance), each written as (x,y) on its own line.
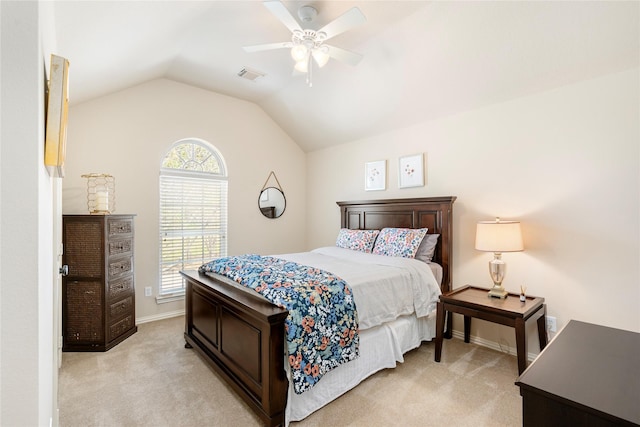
(249,74)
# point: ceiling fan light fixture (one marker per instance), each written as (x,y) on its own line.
(321,56)
(299,52)
(307,43)
(302,65)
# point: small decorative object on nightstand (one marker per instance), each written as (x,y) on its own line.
(497,237)
(523,297)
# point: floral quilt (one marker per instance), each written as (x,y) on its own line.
(322,325)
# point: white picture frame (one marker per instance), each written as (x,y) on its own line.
(411,171)
(375,175)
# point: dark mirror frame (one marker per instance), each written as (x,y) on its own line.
(273,209)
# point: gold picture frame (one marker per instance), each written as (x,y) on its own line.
(56,113)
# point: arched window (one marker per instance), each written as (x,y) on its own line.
(193,211)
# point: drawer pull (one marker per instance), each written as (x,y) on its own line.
(119,247)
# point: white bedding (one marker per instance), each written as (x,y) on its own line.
(384,288)
(395,299)
(381,347)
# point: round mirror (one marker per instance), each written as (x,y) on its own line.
(272,202)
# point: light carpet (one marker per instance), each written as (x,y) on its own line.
(150,379)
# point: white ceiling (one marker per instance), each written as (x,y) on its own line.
(422,60)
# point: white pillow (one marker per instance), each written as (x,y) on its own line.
(427,247)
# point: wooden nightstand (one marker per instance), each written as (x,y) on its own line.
(471,301)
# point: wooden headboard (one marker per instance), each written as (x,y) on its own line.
(434,213)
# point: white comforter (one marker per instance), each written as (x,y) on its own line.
(384,288)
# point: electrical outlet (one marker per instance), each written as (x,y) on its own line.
(147,291)
(552,326)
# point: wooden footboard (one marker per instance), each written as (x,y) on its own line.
(242,338)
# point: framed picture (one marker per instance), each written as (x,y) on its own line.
(57,101)
(375,175)
(410,171)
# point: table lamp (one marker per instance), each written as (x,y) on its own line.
(497,237)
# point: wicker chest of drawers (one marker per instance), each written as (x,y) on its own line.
(98,293)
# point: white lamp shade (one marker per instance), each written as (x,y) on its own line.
(499,236)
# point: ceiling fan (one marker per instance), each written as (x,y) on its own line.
(308,45)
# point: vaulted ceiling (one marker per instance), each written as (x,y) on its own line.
(422,60)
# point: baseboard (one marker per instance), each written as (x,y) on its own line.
(160,316)
(493,345)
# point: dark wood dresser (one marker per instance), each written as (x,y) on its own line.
(98,294)
(589,375)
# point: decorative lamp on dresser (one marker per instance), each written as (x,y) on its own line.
(98,293)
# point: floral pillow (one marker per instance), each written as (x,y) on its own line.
(399,242)
(357,240)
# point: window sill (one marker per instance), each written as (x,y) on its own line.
(163,299)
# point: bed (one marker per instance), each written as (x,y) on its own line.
(242,336)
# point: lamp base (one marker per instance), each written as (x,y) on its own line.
(497,269)
(498,292)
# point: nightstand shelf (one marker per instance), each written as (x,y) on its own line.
(471,301)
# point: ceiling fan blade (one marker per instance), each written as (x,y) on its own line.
(350,19)
(283,14)
(344,55)
(268,46)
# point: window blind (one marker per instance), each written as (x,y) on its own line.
(193,224)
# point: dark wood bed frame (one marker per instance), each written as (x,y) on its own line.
(242,337)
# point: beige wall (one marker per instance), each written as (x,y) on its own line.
(564,162)
(127,134)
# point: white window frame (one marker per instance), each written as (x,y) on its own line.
(194,216)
